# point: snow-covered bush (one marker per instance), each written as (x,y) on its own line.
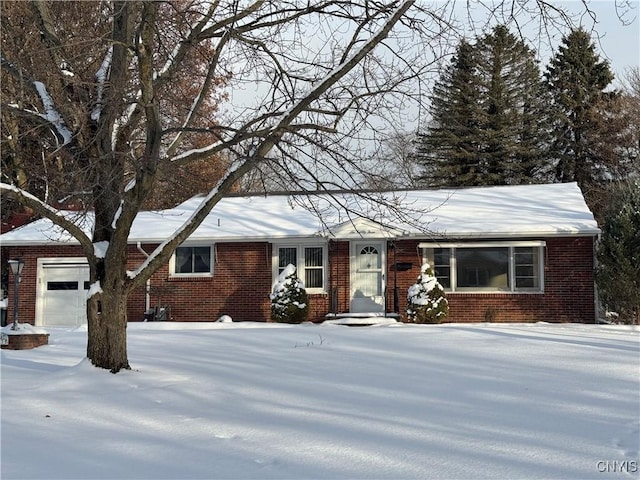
(289,302)
(426,302)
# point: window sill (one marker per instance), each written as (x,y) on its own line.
(316,292)
(494,292)
(189,276)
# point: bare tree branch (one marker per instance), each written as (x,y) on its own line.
(52,214)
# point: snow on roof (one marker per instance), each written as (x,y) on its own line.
(478,212)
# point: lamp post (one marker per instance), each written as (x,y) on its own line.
(16,265)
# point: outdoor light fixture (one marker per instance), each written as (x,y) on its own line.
(16,265)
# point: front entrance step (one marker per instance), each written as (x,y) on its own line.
(362,319)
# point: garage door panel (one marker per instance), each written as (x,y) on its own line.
(63,294)
(64,308)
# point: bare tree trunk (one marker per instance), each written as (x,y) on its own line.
(107,311)
(107,331)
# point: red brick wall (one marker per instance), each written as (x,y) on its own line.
(26,341)
(568,291)
(239,287)
(339,274)
(242,282)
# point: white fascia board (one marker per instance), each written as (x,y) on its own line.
(481,236)
(210,240)
(38,243)
(488,243)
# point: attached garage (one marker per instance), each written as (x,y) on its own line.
(61,292)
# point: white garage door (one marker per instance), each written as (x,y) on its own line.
(62,292)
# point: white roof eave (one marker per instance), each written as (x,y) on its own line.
(509,234)
(38,243)
(389,235)
(232,239)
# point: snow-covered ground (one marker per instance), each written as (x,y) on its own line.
(265,401)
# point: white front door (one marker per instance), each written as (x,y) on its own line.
(61,295)
(367,276)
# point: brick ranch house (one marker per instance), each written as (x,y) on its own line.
(503,254)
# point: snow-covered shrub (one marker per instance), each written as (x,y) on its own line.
(289,302)
(426,302)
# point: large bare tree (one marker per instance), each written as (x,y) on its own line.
(97,87)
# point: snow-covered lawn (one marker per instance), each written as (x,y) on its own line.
(265,401)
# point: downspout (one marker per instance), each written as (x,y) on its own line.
(332,308)
(147,295)
(396,296)
(596,299)
(385,275)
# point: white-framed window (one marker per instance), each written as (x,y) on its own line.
(487,266)
(192,261)
(310,262)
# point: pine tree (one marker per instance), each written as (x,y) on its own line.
(447,151)
(618,273)
(513,129)
(426,302)
(577,78)
(489,116)
(289,302)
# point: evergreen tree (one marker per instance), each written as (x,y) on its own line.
(426,302)
(618,273)
(489,116)
(582,138)
(289,302)
(447,152)
(513,128)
